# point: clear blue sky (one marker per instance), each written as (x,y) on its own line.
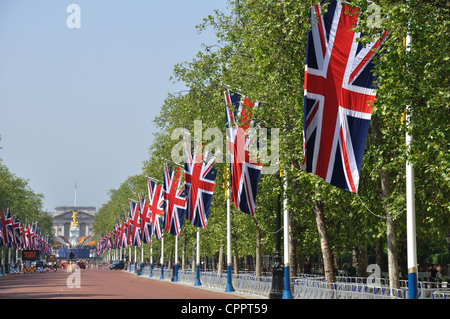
(78,104)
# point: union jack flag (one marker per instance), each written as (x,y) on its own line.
(116,236)
(245,170)
(26,237)
(17,231)
(174,199)
(123,240)
(146,222)
(135,218)
(339,94)
(156,207)
(2,230)
(199,180)
(8,228)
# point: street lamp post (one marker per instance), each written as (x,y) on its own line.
(277,269)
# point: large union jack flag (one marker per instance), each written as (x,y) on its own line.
(174,200)
(199,180)
(156,207)
(245,169)
(339,94)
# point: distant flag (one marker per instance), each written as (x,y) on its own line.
(17,231)
(2,230)
(25,237)
(123,241)
(174,200)
(9,229)
(116,236)
(135,218)
(156,207)
(245,170)
(339,94)
(146,220)
(199,180)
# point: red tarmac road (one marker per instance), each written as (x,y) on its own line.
(99,284)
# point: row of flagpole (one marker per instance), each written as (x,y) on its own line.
(236,113)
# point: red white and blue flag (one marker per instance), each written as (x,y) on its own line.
(156,208)
(174,200)
(135,218)
(245,169)
(339,94)
(199,183)
(116,237)
(123,240)
(2,230)
(9,235)
(146,220)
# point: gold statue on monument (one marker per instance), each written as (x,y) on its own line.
(74,223)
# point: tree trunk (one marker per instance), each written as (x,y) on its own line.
(394,281)
(183,252)
(324,243)
(258,266)
(363,261)
(293,270)
(236,262)
(379,254)
(220,266)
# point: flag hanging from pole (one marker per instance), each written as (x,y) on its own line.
(146,224)
(174,200)
(156,208)
(245,169)
(135,218)
(339,94)
(199,180)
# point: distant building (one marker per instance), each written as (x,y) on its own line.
(62,218)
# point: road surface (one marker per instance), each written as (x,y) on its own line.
(99,284)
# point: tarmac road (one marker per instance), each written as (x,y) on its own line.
(99,284)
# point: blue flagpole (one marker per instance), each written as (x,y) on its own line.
(135,260)
(162,257)
(175,276)
(197,277)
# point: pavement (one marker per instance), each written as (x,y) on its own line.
(100,284)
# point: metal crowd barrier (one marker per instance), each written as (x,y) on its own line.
(246,282)
(316,287)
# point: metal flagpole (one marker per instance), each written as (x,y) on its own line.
(197,268)
(162,256)
(175,276)
(229,287)
(151,257)
(410,209)
(135,260)
(129,257)
(287,281)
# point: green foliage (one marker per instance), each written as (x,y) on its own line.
(25,205)
(260,51)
